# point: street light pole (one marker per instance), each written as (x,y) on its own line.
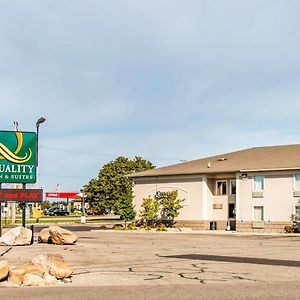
(38,122)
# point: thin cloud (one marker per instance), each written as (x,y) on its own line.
(160,79)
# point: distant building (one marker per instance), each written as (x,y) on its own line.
(77,204)
(255,189)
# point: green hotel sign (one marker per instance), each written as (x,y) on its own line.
(17,157)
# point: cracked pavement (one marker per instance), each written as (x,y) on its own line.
(111,259)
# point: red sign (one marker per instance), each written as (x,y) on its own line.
(23,195)
(62,195)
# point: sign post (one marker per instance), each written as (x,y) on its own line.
(18,161)
(0,214)
(24,209)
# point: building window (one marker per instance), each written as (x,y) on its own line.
(258,183)
(232,187)
(258,213)
(222,187)
(297,182)
(297,213)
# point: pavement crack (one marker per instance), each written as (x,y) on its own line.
(183,275)
(156,277)
(80,273)
(6,251)
(243,278)
(202,269)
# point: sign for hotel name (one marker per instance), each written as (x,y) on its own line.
(17,157)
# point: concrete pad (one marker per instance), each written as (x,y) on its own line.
(158,261)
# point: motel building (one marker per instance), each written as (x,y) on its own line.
(252,190)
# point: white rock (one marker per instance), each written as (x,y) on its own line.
(33,280)
(17,236)
(49,279)
(66,280)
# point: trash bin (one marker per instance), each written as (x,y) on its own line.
(213,225)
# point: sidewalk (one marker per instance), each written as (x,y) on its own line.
(186,230)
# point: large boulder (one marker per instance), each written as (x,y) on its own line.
(42,262)
(53,264)
(60,236)
(3,269)
(49,269)
(16,274)
(44,236)
(55,257)
(17,236)
(60,270)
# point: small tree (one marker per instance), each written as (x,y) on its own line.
(296,217)
(45,204)
(124,207)
(112,185)
(170,205)
(149,210)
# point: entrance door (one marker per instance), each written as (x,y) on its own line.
(231,216)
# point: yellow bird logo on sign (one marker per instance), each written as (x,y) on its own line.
(6,154)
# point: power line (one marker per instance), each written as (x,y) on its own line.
(105,154)
(65,176)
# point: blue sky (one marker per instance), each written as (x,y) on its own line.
(166,80)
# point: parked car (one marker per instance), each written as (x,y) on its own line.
(101,212)
(59,212)
(47,211)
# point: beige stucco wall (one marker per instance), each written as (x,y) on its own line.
(199,194)
(278,200)
(189,188)
(210,198)
(217,214)
(221,214)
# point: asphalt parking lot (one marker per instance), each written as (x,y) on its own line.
(153,265)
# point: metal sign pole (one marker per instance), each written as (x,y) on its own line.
(24,209)
(0,213)
(0,219)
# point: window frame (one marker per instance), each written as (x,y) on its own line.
(230,186)
(223,180)
(264,183)
(263,213)
(294,176)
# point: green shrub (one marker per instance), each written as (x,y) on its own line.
(296,229)
(149,211)
(145,227)
(118,227)
(288,229)
(161,227)
(170,206)
(103,227)
(130,227)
